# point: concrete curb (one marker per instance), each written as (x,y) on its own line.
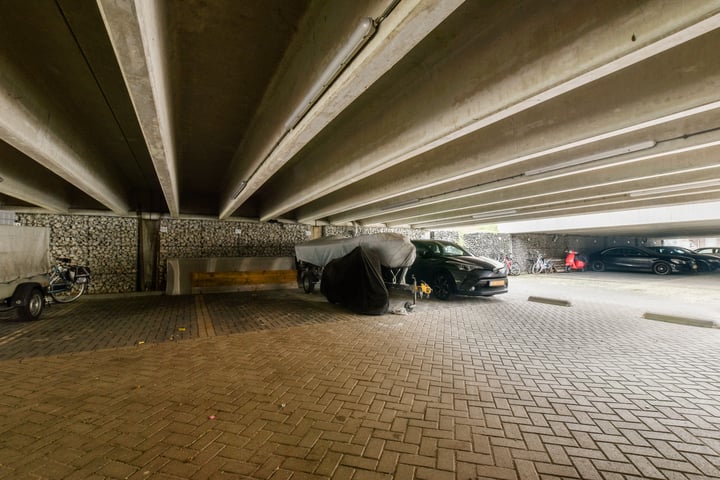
(694,322)
(550,301)
(110,296)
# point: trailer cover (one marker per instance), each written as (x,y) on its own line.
(355,281)
(392,249)
(24,252)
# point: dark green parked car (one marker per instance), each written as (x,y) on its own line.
(449,269)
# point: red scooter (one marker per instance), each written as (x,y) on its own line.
(574,261)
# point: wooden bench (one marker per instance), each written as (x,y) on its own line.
(204,282)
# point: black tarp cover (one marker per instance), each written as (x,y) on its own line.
(355,281)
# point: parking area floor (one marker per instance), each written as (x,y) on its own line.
(283,385)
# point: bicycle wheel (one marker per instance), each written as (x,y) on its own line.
(69,295)
(514,269)
(537,268)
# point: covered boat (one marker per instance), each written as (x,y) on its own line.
(355,282)
(394,252)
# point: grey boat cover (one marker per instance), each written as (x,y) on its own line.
(392,249)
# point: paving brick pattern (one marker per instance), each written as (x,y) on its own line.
(284,386)
(89,324)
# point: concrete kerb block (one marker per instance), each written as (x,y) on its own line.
(694,322)
(550,301)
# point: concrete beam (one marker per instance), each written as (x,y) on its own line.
(455,105)
(403,29)
(694,184)
(572,208)
(136,33)
(43,191)
(645,222)
(633,106)
(31,125)
(316,44)
(683,159)
(507,174)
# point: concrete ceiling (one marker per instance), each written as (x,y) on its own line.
(443,113)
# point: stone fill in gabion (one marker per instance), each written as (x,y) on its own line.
(107,244)
(110,244)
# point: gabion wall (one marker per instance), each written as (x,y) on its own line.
(527,247)
(488,244)
(448,236)
(109,244)
(106,244)
(332,230)
(483,244)
(191,238)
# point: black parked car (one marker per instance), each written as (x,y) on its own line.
(449,269)
(640,259)
(705,263)
(712,251)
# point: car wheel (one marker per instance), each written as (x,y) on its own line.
(443,285)
(598,266)
(33,307)
(661,268)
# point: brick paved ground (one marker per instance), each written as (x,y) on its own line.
(284,386)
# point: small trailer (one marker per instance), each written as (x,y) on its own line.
(24,266)
(395,252)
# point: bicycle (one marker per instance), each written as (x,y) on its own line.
(67,282)
(541,265)
(512,267)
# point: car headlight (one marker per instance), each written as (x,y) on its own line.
(466,268)
(677,261)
